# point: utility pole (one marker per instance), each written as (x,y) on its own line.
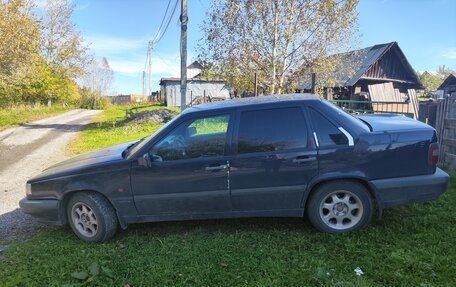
(150,67)
(184,21)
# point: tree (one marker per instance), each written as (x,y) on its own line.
(430,81)
(280,40)
(97,81)
(98,77)
(63,46)
(443,72)
(19,49)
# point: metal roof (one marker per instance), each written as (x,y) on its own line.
(253,101)
(450,80)
(360,61)
(196,79)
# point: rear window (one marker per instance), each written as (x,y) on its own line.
(272,130)
(327,133)
(348,117)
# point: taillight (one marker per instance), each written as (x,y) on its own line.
(434,152)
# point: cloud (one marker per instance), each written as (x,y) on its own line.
(163,66)
(450,54)
(128,55)
(127,58)
(115,45)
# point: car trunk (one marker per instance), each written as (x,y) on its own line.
(413,143)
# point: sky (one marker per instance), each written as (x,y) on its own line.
(120,30)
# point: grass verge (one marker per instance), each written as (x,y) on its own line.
(111,128)
(20,115)
(410,246)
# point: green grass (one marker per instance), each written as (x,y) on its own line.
(410,246)
(19,115)
(111,128)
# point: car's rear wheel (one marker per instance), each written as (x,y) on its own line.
(340,206)
(92,218)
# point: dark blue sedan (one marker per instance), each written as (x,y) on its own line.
(287,156)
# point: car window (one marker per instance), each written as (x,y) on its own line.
(202,137)
(272,130)
(327,133)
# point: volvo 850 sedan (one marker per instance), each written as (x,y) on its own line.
(287,156)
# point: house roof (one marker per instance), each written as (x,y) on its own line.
(450,80)
(189,80)
(195,65)
(361,61)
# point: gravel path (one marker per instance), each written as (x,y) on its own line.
(24,152)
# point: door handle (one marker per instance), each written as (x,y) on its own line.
(216,168)
(304,158)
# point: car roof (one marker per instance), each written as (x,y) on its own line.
(252,101)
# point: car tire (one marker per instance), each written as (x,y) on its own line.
(92,217)
(340,206)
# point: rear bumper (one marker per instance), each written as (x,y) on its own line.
(411,189)
(44,210)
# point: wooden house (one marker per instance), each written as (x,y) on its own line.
(380,73)
(448,87)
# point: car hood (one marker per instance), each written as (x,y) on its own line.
(385,123)
(85,161)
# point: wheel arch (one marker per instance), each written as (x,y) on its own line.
(68,194)
(313,187)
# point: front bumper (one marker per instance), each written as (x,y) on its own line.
(412,189)
(44,210)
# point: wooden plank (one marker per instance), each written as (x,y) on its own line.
(450,123)
(413,102)
(449,160)
(382,92)
(449,142)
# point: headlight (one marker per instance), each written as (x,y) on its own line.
(28,189)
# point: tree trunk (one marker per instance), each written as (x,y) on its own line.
(274,48)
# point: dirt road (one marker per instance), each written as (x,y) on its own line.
(24,152)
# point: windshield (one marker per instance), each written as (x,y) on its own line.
(352,119)
(133,149)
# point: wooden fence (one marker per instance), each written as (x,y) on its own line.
(445,126)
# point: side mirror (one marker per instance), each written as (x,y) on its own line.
(156,158)
(145,160)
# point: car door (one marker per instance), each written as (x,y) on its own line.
(275,160)
(188,173)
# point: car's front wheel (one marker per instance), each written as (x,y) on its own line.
(340,206)
(91,216)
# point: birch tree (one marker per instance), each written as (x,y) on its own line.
(280,40)
(63,46)
(99,77)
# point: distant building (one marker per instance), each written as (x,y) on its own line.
(194,69)
(448,87)
(128,99)
(199,90)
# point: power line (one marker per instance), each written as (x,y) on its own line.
(167,24)
(163,20)
(157,38)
